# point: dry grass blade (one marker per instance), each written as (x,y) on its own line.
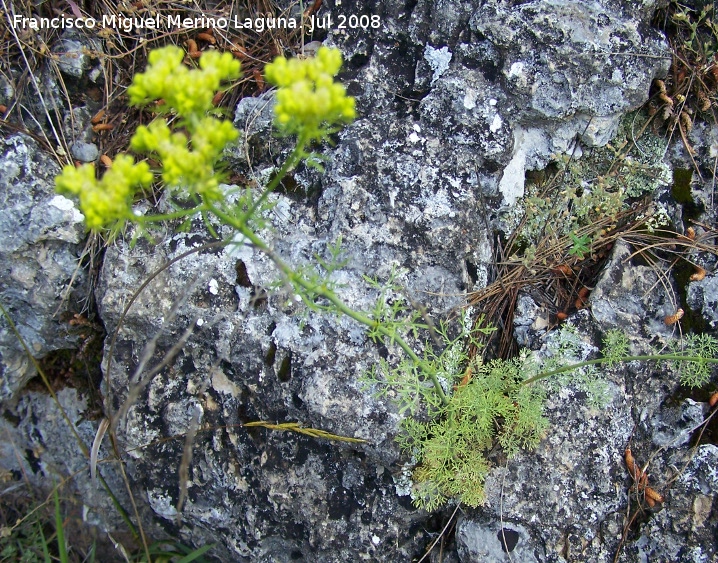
(137,388)
(441,535)
(648,495)
(547,271)
(185,463)
(313,432)
(133,298)
(94,452)
(689,91)
(556,261)
(137,382)
(45,381)
(30,62)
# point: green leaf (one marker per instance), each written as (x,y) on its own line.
(580,245)
(59,529)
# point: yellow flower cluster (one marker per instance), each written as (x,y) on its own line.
(188,92)
(191,169)
(185,165)
(308,102)
(108,200)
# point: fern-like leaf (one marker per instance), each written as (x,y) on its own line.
(697,372)
(615,346)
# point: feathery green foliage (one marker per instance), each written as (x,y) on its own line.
(502,403)
(452,446)
(703,347)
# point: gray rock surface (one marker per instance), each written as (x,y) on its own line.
(560,497)
(633,298)
(42,239)
(531,321)
(258,358)
(524,79)
(685,529)
(568,500)
(591,52)
(493,543)
(703,298)
(85,152)
(674,426)
(75,53)
(7,91)
(45,453)
(71,58)
(456,101)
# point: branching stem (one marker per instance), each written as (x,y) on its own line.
(625,359)
(179,214)
(292,160)
(301,282)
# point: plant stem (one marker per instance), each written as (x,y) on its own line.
(292,160)
(168,216)
(625,359)
(299,281)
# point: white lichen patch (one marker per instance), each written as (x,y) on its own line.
(221,383)
(438,60)
(496,123)
(527,144)
(402,481)
(438,205)
(513,180)
(287,333)
(161,504)
(517,74)
(142,432)
(64,204)
(470,99)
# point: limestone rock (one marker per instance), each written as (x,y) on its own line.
(41,236)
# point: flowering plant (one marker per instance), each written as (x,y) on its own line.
(188,158)
(309,102)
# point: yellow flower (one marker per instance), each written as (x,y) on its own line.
(188,161)
(108,200)
(309,102)
(188,92)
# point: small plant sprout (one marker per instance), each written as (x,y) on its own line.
(580,245)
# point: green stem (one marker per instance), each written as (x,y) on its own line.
(143,219)
(300,281)
(625,359)
(292,160)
